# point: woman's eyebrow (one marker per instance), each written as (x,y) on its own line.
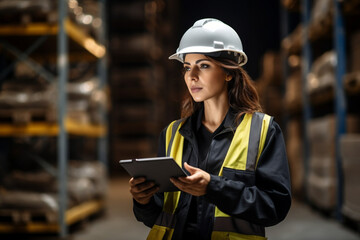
(200,60)
(197,61)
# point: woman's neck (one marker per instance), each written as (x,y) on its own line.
(214,114)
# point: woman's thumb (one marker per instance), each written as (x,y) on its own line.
(190,168)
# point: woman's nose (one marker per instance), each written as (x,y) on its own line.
(194,74)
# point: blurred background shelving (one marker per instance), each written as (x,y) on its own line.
(321,54)
(51,96)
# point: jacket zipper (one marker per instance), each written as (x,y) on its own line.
(211,146)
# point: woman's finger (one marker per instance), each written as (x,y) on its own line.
(143,186)
(135,181)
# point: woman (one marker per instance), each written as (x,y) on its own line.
(235,155)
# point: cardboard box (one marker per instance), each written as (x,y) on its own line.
(322,175)
(322,191)
(350,152)
(293,95)
(294,149)
(355,52)
(322,179)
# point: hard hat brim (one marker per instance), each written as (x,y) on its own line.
(179,55)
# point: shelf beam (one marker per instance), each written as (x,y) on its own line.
(73,31)
(84,40)
(33,29)
(51,129)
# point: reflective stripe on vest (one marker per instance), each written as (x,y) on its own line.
(165,223)
(241,155)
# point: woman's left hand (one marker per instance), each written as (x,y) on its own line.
(195,184)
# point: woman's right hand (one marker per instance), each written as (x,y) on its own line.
(141,190)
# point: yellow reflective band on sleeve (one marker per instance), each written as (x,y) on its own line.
(264,130)
(237,153)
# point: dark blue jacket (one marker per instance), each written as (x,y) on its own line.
(262,197)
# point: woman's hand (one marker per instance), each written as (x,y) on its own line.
(142,190)
(195,184)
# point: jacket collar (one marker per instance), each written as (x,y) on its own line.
(193,123)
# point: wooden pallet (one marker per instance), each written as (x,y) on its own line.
(29,222)
(352,82)
(29,17)
(351,6)
(18,217)
(320,27)
(27,115)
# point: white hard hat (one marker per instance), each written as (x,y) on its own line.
(211,37)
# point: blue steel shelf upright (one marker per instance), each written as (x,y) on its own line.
(306,65)
(340,102)
(63,68)
(102,71)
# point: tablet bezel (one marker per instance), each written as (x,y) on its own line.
(156,169)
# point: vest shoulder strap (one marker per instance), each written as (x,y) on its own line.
(258,131)
(171,132)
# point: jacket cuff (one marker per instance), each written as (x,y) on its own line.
(213,187)
(144,206)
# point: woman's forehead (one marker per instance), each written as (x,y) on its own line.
(194,57)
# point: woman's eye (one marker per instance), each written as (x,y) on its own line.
(186,69)
(204,65)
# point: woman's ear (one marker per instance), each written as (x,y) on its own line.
(228,77)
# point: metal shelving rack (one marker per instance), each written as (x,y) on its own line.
(339,99)
(65,28)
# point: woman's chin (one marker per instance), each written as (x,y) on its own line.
(198,100)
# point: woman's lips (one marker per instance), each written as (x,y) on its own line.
(195,89)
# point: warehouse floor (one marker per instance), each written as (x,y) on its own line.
(118,223)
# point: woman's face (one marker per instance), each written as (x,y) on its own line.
(204,79)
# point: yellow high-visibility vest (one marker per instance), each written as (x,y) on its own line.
(241,155)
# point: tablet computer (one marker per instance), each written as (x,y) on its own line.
(158,170)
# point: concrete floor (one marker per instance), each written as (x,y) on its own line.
(118,223)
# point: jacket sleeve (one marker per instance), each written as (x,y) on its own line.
(262,197)
(148,213)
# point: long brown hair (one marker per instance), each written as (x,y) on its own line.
(243,97)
